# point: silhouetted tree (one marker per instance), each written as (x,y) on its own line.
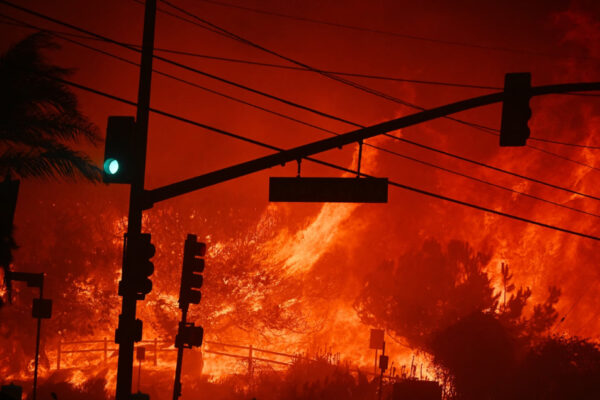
(485,359)
(442,301)
(426,290)
(480,354)
(560,368)
(38,114)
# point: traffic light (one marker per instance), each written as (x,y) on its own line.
(514,130)
(118,150)
(128,329)
(140,250)
(193,266)
(189,336)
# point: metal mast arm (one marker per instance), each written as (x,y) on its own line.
(212,178)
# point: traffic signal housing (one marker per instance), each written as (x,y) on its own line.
(118,150)
(139,267)
(193,266)
(516,112)
(189,336)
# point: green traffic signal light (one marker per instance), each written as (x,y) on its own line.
(111,166)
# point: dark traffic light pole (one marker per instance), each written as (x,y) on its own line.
(126,331)
(305,151)
(180,347)
(191,282)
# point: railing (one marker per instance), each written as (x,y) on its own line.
(155,349)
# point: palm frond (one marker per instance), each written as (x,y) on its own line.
(29,91)
(49,163)
(38,113)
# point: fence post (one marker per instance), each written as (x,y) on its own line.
(155,352)
(105,351)
(58,354)
(250,366)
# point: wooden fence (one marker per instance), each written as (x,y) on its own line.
(156,346)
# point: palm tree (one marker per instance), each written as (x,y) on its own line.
(39,115)
(39,118)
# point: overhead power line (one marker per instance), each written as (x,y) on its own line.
(496,168)
(344,81)
(231,35)
(369,90)
(158,72)
(432,165)
(563,157)
(391,183)
(581,146)
(280,66)
(396,34)
(312,110)
(136,48)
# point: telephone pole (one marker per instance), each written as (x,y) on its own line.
(129,329)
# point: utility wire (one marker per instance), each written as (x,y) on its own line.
(370,76)
(177,64)
(136,48)
(253,90)
(347,82)
(344,81)
(158,72)
(368,90)
(391,183)
(280,66)
(563,157)
(291,67)
(581,146)
(432,165)
(496,168)
(388,33)
(60,36)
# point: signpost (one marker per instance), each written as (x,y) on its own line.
(41,309)
(140,355)
(376,343)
